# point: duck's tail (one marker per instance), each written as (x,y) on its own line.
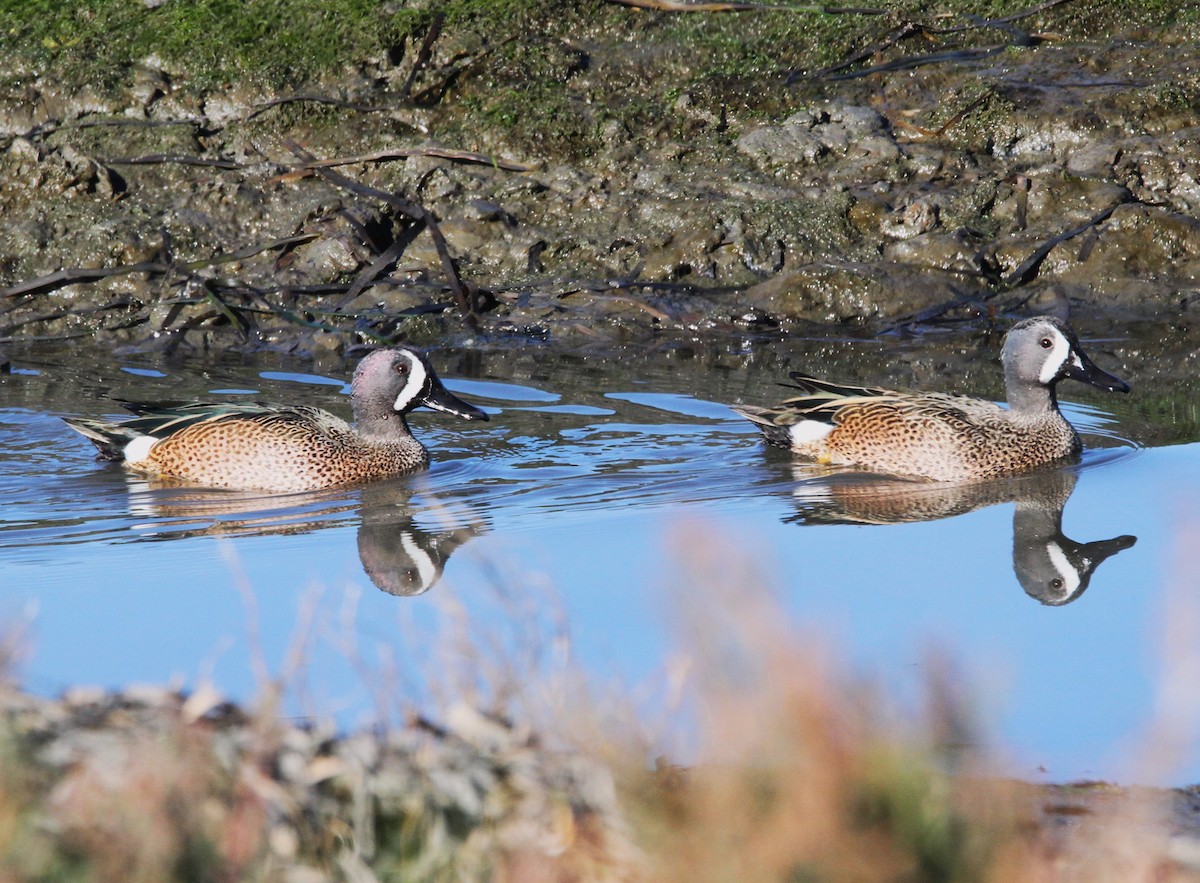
(810,416)
(766,419)
(110,439)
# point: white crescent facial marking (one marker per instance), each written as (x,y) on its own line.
(139,449)
(1056,357)
(427,572)
(417,375)
(1068,574)
(807,431)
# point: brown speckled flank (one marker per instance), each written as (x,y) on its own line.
(941,436)
(280,448)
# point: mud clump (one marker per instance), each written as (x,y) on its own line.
(1060,175)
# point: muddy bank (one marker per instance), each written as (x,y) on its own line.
(1058,176)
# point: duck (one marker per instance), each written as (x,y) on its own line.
(943,436)
(285,448)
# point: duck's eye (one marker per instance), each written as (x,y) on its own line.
(1056,583)
(401,368)
(1046,343)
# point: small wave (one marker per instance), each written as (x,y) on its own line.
(1088,418)
(1121,451)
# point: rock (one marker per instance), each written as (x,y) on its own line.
(912,220)
(324,259)
(791,142)
(825,293)
(1092,160)
(944,251)
(836,128)
(1137,240)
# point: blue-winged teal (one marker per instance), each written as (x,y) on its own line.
(280,448)
(940,436)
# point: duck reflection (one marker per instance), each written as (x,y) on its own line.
(400,555)
(1050,566)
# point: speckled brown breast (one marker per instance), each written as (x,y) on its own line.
(279,453)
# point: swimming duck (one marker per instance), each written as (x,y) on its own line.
(285,448)
(943,436)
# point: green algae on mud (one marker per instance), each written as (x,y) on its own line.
(285,44)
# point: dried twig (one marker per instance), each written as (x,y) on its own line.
(719,6)
(911,62)
(712,6)
(1025,273)
(929,314)
(94,122)
(70,275)
(160,158)
(411,209)
(48,127)
(260,109)
(1027,270)
(944,127)
(226,310)
(654,312)
(424,53)
(906,29)
(385,261)
(465,156)
(999,22)
(46,338)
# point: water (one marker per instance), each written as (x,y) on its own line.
(569,512)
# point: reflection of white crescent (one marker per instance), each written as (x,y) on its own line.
(1070,576)
(426,568)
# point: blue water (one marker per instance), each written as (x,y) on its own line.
(558,529)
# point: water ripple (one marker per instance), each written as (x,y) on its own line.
(549,455)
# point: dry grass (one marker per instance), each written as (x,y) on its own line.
(795,771)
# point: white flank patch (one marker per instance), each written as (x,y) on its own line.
(1055,358)
(139,449)
(427,572)
(1070,576)
(808,431)
(416,382)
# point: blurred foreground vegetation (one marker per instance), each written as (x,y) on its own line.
(795,772)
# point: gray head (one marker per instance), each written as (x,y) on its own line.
(389,383)
(1041,351)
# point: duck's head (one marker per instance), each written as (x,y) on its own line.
(1043,350)
(400,379)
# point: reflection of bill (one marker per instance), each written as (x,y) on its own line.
(398,555)
(1050,566)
